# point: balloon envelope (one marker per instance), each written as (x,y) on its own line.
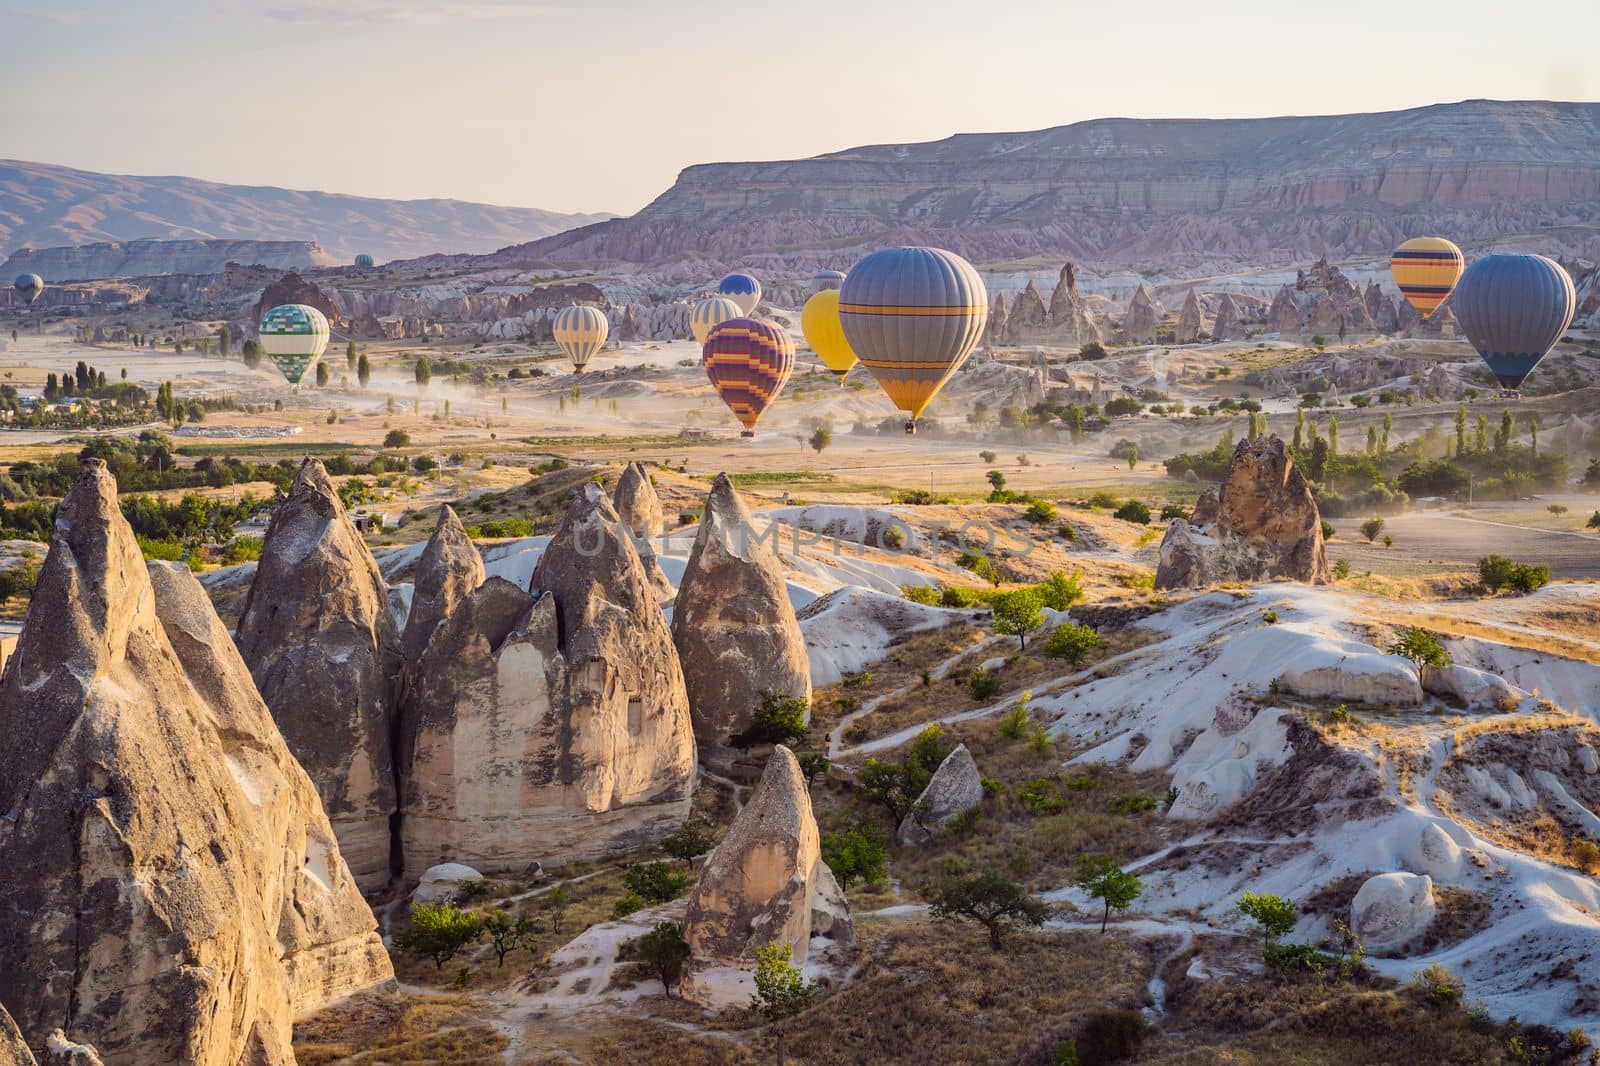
(742,289)
(364,260)
(710,312)
(28,286)
(823,280)
(293,336)
(1513,308)
(748,362)
(1426,269)
(913,315)
(819,320)
(580,332)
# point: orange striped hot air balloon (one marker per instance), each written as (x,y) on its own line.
(748,362)
(1427,269)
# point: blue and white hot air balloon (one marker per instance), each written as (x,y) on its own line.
(742,289)
(823,280)
(1513,308)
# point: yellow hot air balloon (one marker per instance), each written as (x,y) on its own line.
(710,313)
(819,320)
(1426,269)
(580,331)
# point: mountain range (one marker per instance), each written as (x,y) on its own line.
(43,206)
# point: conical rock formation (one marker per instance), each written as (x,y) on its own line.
(734,626)
(1227,326)
(1189,321)
(760,884)
(551,723)
(174,892)
(640,509)
(1139,327)
(322,646)
(450,568)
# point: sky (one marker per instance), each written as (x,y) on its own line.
(596,105)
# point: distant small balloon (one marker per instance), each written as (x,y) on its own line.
(823,280)
(364,261)
(709,313)
(28,286)
(743,290)
(1513,308)
(580,331)
(1426,269)
(748,362)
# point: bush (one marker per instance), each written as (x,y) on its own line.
(1092,350)
(665,951)
(1173,510)
(625,905)
(438,930)
(1041,512)
(1438,985)
(693,837)
(1133,803)
(923,594)
(1123,405)
(779,720)
(1371,528)
(655,882)
(1134,511)
(1041,796)
(1421,647)
(1071,643)
(1103,499)
(858,852)
(1016,612)
(1497,572)
(1060,590)
(397,438)
(1110,1036)
(981,684)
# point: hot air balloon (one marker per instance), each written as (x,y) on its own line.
(364,261)
(819,320)
(742,289)
(293,336)
(823,280)
(913,315)
(28,286)
(710,312)
(748,362)
(580,332)
(1426,269)
(1513,308)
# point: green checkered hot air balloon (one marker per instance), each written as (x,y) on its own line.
(293,336)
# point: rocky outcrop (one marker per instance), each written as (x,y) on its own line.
(734,626)
(551,723)
(1283,317)
(145,258)
(999,322)
(1140,323)
(1380,309)
(1263,525)
(1189,322)
(321,643)
(1028,320)
(759,886)
(294,289)
(1227,326)
(640,510)
(955,788)
(1392,909)
(449,569)
(13,1048)
(174,891)
(1072,323)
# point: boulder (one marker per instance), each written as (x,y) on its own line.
(1189,321)
(1227,326)
(955,788)
(759,885)
(444,882)
(321,643)
(59,1051)
(830,911)
(734,626)
(450,568)
(640,510)
(548,723)
(1434,853)
(1477,689)
(174,892)
(1263,526)
(1390,910)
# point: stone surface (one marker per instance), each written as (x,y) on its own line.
(955,788)
(640,510)
(1264,525)
(1283,317)
(442,883)
(165,854)
(734,626)
(1392,909)
(321,643)
(450,568)
(1065,321)
(1227,326)
(1434,853)
(294,289)
(1189,321)
(1478,689)
(759,885)
(1140,322)
(552,723)
(13,1048)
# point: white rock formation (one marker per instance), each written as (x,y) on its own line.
(442,883)
(1392,909)
(955,788)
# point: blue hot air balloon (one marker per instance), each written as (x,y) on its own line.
(742,289)
(28,286)
(1513,308)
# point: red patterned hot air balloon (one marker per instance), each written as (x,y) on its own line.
(748,362)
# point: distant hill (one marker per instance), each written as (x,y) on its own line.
(44,206)
(1183,194)
(137,259)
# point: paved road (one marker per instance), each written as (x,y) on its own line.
(1435,541)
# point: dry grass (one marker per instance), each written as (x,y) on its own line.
(391,1028)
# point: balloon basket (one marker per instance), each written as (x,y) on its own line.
(911,425)
(747,433)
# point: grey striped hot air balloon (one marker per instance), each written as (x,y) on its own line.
(710,313)
(1513,308)
(580,332)
(913,315)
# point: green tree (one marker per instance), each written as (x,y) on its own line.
(690,839)
(897,786)
(250,352)
(1533,433)
(780,719)
(397,438)
(507,931)
(556,902)
(1421,647)
(821,437)
(1383,441)
(1333,434)
(1371,528)
(813,766)
(438,931)
(1274,914)
(363,370)
(991,899)
(224,341)
(322,375)
(664,950)
(350,356)
(655,882)
(857,852)
(781,990)
(1299,427)
(1061,590)
(997,484)
(1071,643)
(1102,879)
(1016,612)
(423,372)
(1133,456)
(1461,428)
(1502,439)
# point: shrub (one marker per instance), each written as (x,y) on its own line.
(1134,511)
(626,904)
(1041,512)
(1438,985)
(1092,350)
(1421,647)
(1066,532)
(858,852)
(1071,643)
(1123,405)
(1103,499)
(693,837)
(779,720)
(1041,796)
(1016,612)
(981,684)
(1371,528)
(1172,510)
(1497,572)
(655,882)
(1016,722)
(1327,530)
(438,930)
(1110,1036)
(1133,803)
(397,438)
(923,594)
(1341,569)
(1061,590)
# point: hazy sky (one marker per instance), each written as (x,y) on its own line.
(596,105)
